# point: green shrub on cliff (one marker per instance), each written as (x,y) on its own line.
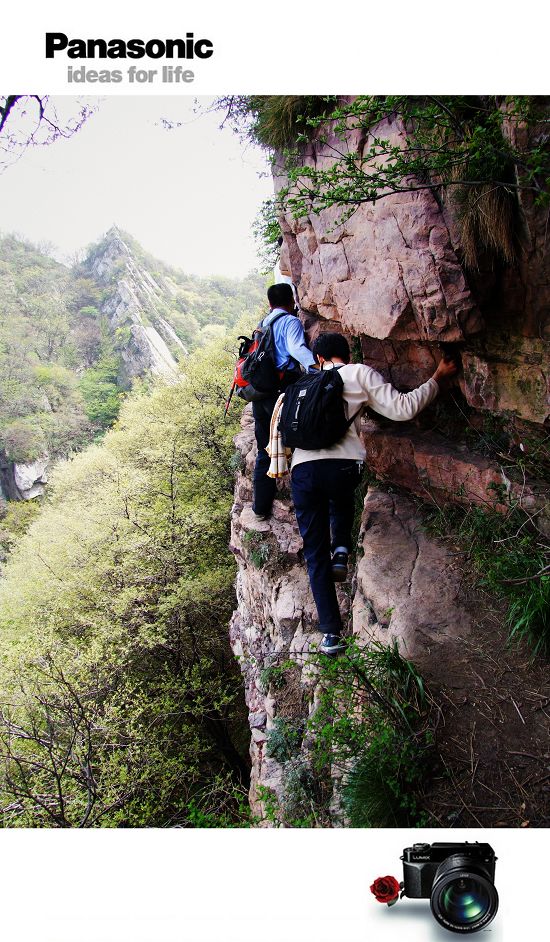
(275,121)
(121,704)
(99,385)
(479,152)
(371,733)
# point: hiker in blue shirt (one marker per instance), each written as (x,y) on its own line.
(291,352)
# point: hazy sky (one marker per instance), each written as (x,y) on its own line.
(189,194)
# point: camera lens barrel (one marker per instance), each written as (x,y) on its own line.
(463,897)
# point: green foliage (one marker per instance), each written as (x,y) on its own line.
(101,398)
(40,407)
(121,702)
(15,520)
(284,740)
(267,231)
(511,558)
(233,811)
(383,785)
(270,804)
(371,726)
(24,439)
(99,386)
(455,145)
(299,806)
(258,548)
(273,676)
(274,121)
(372,723)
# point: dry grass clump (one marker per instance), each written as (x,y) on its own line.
(280,119)
(490,222)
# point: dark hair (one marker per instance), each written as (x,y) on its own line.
(281,295)
(331,345)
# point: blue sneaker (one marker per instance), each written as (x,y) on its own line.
(332,644)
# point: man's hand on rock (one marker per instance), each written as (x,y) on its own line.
(446,369)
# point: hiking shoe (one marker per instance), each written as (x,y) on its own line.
(340,567)
(261,516)
(332,644)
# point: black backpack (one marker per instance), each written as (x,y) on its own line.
(256,375)
(313,414)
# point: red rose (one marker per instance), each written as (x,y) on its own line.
(386,889)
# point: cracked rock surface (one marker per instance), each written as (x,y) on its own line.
(408,587)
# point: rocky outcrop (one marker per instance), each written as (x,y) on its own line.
(134,303)
(389,271)
(30,478)
(275,618)
(22,481)
(392,277)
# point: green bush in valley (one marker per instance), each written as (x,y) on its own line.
(24,439)
(121,701)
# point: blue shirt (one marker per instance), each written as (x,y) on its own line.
(289,340)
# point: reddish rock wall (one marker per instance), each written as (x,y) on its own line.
(392,278)
(393,275)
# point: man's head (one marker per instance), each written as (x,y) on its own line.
(330,346)
(281,295)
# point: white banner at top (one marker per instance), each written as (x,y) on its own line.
(215,47)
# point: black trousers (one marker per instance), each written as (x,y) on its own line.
(323,492)
(264,488)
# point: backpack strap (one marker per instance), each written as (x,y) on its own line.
(360,409)
(263,326)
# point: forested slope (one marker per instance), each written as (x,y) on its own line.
(121,702)
(74,340)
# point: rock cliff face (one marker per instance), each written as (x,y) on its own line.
(393,279)
(19,481)
(134,303)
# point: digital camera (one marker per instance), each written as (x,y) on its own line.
(458,879)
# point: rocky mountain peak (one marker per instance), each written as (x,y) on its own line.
(136,302)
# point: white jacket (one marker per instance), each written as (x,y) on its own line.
(363,386)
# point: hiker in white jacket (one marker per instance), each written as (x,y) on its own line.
(324,480)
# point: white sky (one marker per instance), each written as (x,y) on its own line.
(189,195)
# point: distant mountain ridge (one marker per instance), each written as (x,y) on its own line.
(72,341)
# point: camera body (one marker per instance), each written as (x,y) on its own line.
(420,863)
(457,878)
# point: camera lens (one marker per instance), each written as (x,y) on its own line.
(465,901)
(464,898)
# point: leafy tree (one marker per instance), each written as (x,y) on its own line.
(121,701)
(23,439)
(99,386)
